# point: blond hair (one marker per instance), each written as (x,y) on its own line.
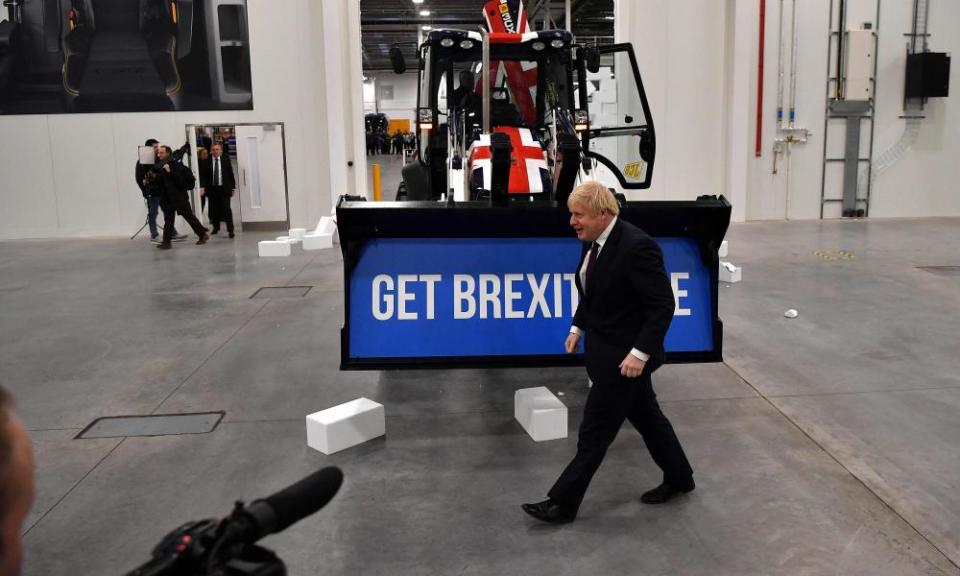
(595,197)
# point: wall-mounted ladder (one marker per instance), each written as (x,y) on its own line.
(852,112)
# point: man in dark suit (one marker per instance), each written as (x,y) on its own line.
(175,181)
(218,185)
(152,197)
(626,305)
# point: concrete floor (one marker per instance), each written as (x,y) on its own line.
(825,444)
(391,166)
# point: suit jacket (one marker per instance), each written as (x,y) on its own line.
(628,301)
(178,181)
(227,180)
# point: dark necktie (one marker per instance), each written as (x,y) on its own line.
(591,263)
(216,171)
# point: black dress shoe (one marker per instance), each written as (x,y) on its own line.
(666,492)
(232,234)
(549,511)
(164,246)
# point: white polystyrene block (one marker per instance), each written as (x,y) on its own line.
(287,239)
(724,249)
(541,414)
(326,225)
(297,233)
(315,241)
(730,273)
(273,248)
(346,425)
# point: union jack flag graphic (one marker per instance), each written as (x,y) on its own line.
(528,162)
(507,22)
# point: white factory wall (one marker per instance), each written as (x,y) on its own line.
(404,99)
(922,183)
(72,174)
(680,49)
(695,57)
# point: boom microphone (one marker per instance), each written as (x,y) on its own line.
(227,546)
(277,512)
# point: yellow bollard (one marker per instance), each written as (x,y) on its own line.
(377,194)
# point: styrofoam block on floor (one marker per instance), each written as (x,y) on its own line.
(273,248)
(315,241)
(541,414)
(724,249)
(346,425)
(730,273)
(297,233)
(287,239)
(326,225)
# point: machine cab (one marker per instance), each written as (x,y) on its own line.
(562,111)
(620,141)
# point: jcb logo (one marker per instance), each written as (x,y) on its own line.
(507,17)
(632,170)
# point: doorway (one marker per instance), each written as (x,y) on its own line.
(257,154)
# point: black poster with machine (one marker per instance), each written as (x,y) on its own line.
(64,56)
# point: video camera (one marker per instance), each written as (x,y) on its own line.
(148,157)
(227,547)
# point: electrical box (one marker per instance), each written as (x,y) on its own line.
(928,75)
(859,65)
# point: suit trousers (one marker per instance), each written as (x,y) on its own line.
(211,211)
(220,210)
(153,209)
(173,204)
(613,399)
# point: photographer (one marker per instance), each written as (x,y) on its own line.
(174,180)
(151,194)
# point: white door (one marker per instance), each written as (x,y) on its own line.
(261,181)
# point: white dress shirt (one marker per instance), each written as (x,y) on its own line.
(217,171)
(601,240)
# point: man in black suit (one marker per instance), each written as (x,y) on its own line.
(218,185)
(626,305)
(175,181)
(152,197)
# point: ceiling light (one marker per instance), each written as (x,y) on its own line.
(608,17)
(426,27)
(424,12)
(418,1)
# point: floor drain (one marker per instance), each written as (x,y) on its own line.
(282,292)
(152,425)
(941,270)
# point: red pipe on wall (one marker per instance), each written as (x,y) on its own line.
(763,27)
